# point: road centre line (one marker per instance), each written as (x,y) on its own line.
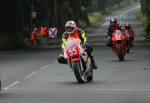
(11,85)
(44,67)
(130,10)
(123,14)
(30,75)
(35,72)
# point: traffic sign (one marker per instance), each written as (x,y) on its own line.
(52,32)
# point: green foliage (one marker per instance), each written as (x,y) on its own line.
(9,41)
(145,15)
(16,16)
(94,17)
(145,7)
(142,17)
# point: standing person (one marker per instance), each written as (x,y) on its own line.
(34,37)
(73,31)
(43,35)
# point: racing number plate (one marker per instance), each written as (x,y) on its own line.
(73,51)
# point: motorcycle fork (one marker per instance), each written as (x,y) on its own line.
(70,64)
(81,65)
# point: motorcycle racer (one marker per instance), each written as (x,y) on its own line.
(73,31)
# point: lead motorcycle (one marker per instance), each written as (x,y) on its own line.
(78,60)
(119,44)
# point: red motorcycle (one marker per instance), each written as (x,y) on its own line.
(119,44)
(78,60)
(130,34)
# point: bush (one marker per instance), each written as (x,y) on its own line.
(142,17)
(94,17)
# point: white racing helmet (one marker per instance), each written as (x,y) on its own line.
(70,26)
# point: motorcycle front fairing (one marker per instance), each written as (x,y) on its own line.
(75,52)
(73,49)
(118,41)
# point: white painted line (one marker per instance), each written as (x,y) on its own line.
(130,10)
(44,67)
(30,75)
(34,73)
(123,14)
(11,85)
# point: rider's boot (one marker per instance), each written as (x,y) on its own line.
(93,64)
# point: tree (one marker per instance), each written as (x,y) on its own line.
(17,22)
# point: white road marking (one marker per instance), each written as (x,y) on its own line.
(30,75)
(11,85)
(130,10)
(44,67)
(123,14)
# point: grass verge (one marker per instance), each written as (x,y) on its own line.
(94,17)
(141,17)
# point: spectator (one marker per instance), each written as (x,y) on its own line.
(43,35)
(34,37)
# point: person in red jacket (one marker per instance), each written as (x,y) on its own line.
(43,31)
(34,37)
(43,35)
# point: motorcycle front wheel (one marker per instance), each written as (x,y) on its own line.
(90,77)
(120,54)
(79,74)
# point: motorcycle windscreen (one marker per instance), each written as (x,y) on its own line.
(118,35)
(72,42)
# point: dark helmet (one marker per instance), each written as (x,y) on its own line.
(113,22)
(127,25)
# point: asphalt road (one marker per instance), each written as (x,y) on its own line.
(36,77)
